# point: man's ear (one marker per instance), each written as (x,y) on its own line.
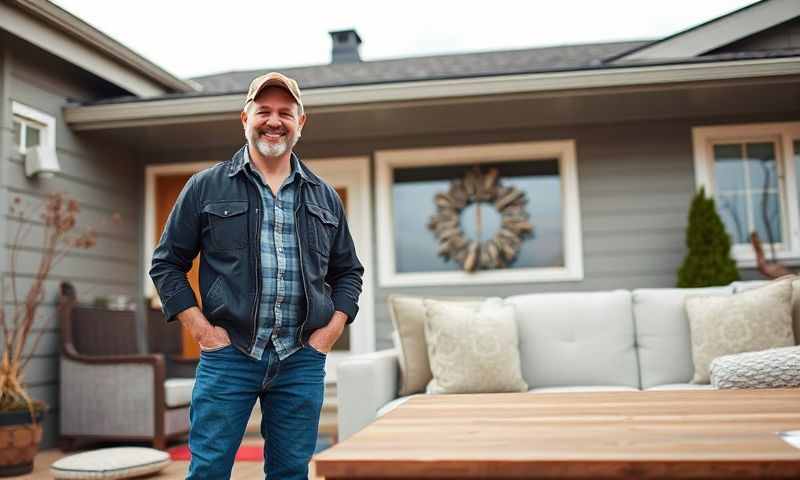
(302,120)
(243,116)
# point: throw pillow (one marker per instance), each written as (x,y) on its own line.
(408,318)
(757,319)
(774,368)
(749,285)
(473,351)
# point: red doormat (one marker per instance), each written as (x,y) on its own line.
(246,453)
(249,451)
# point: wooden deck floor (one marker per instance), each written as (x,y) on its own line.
(176,470)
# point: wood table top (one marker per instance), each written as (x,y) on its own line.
(643,434)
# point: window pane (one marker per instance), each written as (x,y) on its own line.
(31,136)
(17,133)
(762,166)
(729,172)
(766,211)
(414,190)
(732,209)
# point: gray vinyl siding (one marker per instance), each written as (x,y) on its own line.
(103,179)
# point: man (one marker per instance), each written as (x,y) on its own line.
(279,279)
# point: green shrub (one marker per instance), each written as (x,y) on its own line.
(708,261)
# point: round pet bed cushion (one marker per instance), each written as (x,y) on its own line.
(117,462)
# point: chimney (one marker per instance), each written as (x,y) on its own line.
(346,46)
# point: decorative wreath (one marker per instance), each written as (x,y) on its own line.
(502,248)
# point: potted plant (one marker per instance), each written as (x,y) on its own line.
(21,415)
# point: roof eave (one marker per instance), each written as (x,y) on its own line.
(76,28)
(187,110)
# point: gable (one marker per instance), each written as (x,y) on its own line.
(785,36)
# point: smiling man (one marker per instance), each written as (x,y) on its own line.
(279,280)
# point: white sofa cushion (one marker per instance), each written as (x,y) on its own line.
(577,338)
(584,389)
(662,333)
(178,391)
(753,320)
(108,463)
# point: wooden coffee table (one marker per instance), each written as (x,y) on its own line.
(667,434)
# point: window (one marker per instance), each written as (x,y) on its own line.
(751,171)
(408,182)
(32,128)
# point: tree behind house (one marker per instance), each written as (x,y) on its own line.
(708,261)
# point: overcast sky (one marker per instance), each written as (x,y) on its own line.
(197,37)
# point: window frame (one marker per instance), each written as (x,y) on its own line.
(562,150)
(30,116)
(782,135)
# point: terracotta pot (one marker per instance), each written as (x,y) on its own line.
(19,442)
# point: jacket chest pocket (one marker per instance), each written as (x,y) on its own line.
(322,226)
(227,222)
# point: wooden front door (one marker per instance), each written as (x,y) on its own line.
(167,189)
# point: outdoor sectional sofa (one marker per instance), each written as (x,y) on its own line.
(569,342)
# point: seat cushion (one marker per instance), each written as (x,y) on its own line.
(584,389)
(681,386)
(116,463)
(576,338)
(178,391)
(753,320)
(662,333)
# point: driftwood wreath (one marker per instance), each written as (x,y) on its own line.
(472,254)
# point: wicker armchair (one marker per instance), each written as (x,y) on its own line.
(108,389)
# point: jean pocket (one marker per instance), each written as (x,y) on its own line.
(314,350)
(215,349)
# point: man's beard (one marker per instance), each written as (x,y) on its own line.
(270,149)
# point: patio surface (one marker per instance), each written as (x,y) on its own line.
(175,471)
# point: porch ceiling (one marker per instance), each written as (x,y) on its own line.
(481,114)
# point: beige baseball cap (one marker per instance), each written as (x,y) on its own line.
(273,79)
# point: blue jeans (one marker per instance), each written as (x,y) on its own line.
(226,387)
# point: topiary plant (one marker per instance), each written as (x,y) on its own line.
(708,261)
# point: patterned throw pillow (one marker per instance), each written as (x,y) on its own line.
(774,368)
(408,319)
(473,351)
(753,320)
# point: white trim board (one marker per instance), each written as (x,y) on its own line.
(563,150)
(204,108)
(719,32)
(782,135)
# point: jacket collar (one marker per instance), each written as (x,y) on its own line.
(242,156)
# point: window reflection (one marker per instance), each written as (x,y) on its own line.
(413,194)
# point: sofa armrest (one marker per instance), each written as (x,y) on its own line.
(365,383)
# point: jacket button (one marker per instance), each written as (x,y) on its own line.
(225,212)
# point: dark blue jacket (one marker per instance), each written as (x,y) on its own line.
(219,213)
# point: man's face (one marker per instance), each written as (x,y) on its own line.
(272,122)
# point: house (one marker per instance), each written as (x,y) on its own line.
(608,142)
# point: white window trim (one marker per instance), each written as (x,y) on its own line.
(782,134)
(48,135)
(563,150)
